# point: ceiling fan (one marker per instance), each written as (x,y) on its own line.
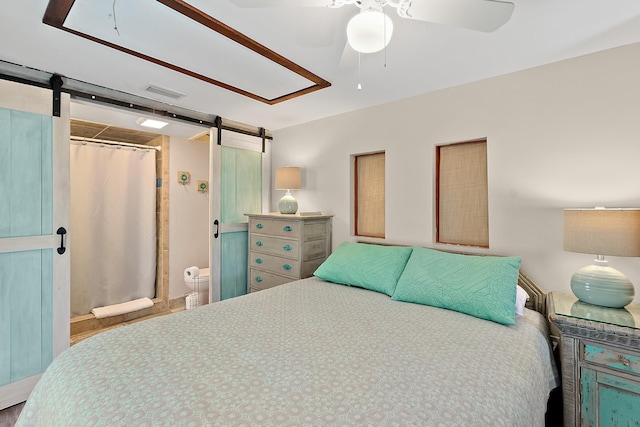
(370,30)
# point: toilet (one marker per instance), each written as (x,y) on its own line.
(198,284)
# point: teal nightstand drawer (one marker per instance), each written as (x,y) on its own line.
(609,400)
(611,358)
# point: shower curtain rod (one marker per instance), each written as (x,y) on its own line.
(123,144)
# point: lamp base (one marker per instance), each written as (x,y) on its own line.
(602,285)
(288,204)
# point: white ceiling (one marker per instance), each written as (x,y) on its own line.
(420,58)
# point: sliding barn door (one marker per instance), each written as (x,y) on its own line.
(240,177)
(34,204)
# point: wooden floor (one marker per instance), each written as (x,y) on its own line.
(9,416)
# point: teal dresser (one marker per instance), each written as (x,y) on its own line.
(600,361)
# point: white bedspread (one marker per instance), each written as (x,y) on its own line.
(305,353)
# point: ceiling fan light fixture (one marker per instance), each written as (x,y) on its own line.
(369,31)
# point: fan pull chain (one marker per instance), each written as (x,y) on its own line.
(384,23)
(115,23)
(359,85)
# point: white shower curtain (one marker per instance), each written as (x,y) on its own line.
(113,225)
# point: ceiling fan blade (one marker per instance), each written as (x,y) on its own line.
(317,28)
(281,3)
(348,57)
(480,15)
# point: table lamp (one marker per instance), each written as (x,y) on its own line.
(600,231)
(288,178)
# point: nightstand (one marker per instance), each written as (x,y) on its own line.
(600,361)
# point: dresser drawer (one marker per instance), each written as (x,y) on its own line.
(611,358)
(275,245)
(315,230)
(275,264)
(274,227)
(260,280)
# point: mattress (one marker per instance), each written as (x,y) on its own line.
(306,353)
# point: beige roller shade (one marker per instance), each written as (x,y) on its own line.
(370,195)
(462,194)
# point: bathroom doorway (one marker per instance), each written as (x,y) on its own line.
(80,129)
(113,217)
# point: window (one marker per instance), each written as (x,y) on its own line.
(462,208)
(369,201)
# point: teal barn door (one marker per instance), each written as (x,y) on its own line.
(34,276)
(240,184)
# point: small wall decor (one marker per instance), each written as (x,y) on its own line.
(184,177)
(203,186)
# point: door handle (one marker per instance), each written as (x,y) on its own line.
(216,224)
(61,231)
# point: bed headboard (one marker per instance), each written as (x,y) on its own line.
(537,297)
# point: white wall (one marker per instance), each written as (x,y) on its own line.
(188,212)
(562,135)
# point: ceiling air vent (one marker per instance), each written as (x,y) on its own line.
(165,92)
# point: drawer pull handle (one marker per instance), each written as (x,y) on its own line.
(258,279)
(258,260)
(287,267)
(287,228)
(259,243)
(624,360)
(287,247)
(259,226)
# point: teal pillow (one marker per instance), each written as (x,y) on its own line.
(482,286)
(372,267)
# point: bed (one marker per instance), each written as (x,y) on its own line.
(310,352)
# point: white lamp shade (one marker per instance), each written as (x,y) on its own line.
(614,232)
(288,178)
(369,31)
